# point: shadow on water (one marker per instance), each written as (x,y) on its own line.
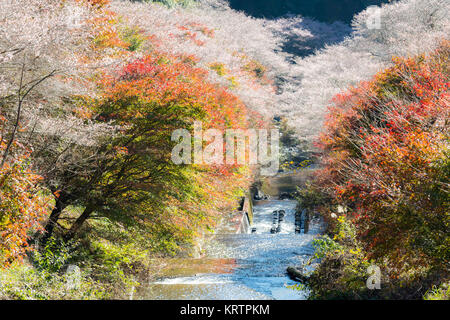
(242,266)
(286,182)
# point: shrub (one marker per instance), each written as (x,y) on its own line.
(386,146)
(23,282)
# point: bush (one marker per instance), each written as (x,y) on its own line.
(386,161)
(438,293)
(53,256)
(342,272)
(22,281)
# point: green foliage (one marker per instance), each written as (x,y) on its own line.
(219,68)
(342,272)
(133,38)
(325,246)
(23,282)
(119,255)
(113,266)
(438,293)
(256,68)
(54,255)
(310,197)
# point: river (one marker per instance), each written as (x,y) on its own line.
(243,266)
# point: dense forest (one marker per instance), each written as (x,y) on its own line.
(92,90)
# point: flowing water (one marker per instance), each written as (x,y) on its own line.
(243,266)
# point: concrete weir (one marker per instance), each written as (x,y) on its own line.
(245,216)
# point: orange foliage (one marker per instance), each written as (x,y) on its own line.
(386,145)
(166,83)
(22,207)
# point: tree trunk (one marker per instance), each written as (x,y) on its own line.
(79,222)
(53,219)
